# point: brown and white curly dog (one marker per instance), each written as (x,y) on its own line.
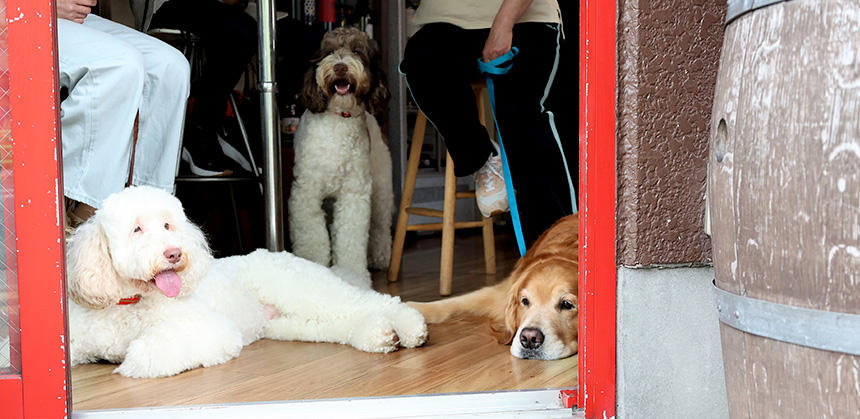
(340,156)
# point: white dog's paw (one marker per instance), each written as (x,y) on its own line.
(375,335)
(142,361)
(356,279)
(410,326)
(160,356)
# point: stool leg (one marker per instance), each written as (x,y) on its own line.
(406,198)
(244,132)
(133,149)
(489,240)
(489,245)
(480,103)
(236,218)
(446,268)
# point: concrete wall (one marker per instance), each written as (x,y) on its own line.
(670,364)
(669,357)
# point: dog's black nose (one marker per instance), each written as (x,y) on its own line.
(173,255)
(531,338)
(340,69)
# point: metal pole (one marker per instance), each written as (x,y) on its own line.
(272,188)
(393,34)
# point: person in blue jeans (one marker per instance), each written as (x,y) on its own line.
(440,63)
(114,74)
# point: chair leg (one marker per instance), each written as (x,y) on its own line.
(446,268)
(236,218)
(481,104)
(406,198)
(489,245)
(133,149)
(489,238)
(244,132)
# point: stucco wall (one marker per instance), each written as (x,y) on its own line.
(668,54)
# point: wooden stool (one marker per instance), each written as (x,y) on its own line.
(448,225)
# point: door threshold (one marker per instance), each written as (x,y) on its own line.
(545,403)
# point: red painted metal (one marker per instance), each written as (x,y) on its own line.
(11,405)
(38,195)
(597,285)
(10,261)
(569,398)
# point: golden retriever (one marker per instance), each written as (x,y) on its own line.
(536,308)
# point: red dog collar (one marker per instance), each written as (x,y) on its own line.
(128,300)
(345,114)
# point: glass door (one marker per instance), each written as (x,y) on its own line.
(33,361)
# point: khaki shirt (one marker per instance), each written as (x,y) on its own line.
(478,14)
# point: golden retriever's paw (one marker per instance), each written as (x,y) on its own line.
(375,335)
(410,326)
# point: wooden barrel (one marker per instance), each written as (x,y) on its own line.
(784,187)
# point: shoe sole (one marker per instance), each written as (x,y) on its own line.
(493,213)
(186,157)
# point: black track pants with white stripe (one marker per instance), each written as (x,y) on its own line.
(440,63)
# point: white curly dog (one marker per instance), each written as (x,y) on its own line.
(340,155)
(146,293)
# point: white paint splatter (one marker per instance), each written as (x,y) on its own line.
(847,148)
(752,242)
(851,250)
(856,380)
(839,374)
(840,184)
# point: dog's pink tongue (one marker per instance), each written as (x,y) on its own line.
(342,89)
(168,282)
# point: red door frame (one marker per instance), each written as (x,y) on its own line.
(43,390)
(43,387)
(597,277)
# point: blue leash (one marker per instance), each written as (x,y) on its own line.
(496,67)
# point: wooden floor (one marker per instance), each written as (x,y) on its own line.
(460,356)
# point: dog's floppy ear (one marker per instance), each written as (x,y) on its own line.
(91,280)
(505,328)
(312,95)
(378,96)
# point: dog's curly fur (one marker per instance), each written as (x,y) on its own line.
(369,80)
(195,310)
(340,155)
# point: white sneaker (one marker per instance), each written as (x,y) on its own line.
(199,170)
(234,154)
(490,192)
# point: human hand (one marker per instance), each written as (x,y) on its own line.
(74,10)
(498,42)
(502,32)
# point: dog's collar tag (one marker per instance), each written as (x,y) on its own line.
(345,114)
(128,300)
